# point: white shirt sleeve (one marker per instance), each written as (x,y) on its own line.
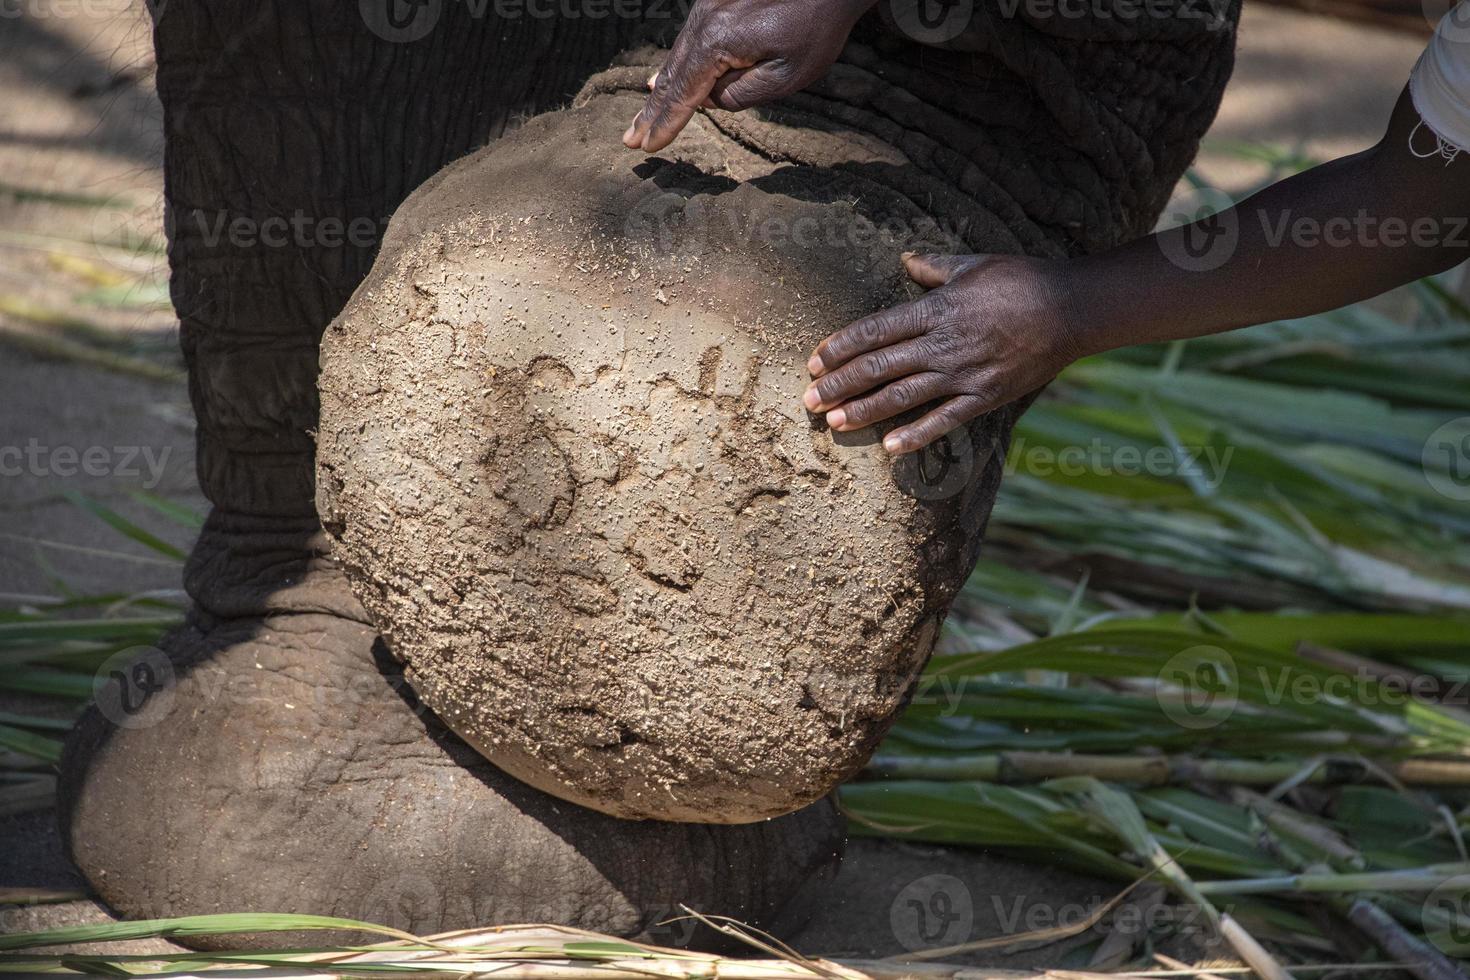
(1440,86)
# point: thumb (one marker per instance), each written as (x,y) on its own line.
(742,88)
(931,271)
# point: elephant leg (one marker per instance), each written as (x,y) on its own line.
(285,767)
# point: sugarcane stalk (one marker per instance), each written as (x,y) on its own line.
(1117,810)
(39,896)
(1414,880)
(1158,770)
(1417,914)
(1415,955)
(1363,911)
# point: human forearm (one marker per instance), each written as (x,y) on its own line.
(993,328)
(1336,234)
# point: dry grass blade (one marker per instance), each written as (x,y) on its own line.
(1184,969)
(758,939)
(517,952)
(535,951)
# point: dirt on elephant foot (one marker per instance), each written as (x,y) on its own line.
(282,765)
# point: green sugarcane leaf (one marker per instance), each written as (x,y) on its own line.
(124,526)
(29,743)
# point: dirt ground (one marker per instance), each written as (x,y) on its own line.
(81,120)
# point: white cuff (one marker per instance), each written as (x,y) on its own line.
(1440,87)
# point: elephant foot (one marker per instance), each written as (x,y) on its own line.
(279,763)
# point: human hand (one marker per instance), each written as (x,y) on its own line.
(734,54)
(992,329)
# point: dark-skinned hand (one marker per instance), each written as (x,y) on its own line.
(734,54)
(991,329)
(994,328)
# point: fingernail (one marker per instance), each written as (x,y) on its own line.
(893,444)
(907,255)
(628,136)
(811,399)
(814,365)
(836,418)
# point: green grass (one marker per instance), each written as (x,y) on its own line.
(1306,579)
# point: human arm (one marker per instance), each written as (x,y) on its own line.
(993,328)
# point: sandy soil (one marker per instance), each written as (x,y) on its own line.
(81,120)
